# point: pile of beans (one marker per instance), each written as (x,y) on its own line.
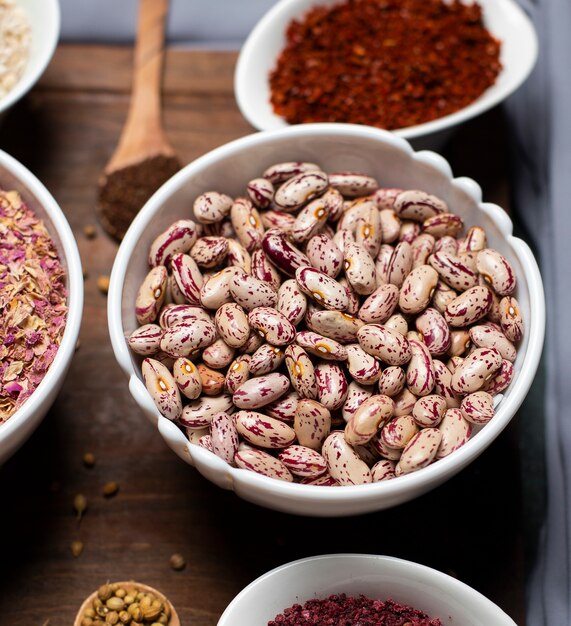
(324,330)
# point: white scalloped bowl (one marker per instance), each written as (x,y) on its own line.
(258,56)
(15,431)
(377,577)
(335,147)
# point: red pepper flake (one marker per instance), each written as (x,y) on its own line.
(32,302)
(385,63)
(343,610)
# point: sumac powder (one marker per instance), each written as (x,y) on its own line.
(385,63)
(343,610)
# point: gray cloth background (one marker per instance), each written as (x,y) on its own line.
(211,23)
(540,117)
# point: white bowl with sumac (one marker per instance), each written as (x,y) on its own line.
(332,401)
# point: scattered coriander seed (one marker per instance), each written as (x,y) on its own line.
(110,489)
(89,459)
(177,562)
(80,505)
(103,283)
(76,548)
(90,231)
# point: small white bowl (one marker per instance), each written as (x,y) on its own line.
(503,18)
(14,176)
(336,147)
(45,21)
(377,577)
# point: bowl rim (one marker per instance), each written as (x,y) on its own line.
(280,12)
(410,569)
(74,275)
(235,478)
(30,77)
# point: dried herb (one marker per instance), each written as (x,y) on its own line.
(32,302)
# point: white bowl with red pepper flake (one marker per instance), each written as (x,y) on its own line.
(504,19)
(383,578)
(41,302)
(392,163)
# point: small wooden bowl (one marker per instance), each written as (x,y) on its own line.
(174,620)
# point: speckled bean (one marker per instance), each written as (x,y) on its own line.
(187,276)
(232,324)
(262,463)
(280,172)
(422,247)
(332,385)
(310,220)
(284,408)
(392,381)
(163,388)
(510,318)
(359,269)
(312,423)
(453,271)
(383,470)
(303,461)
(404,402)
(291,302)
(261,390)
(208,252)
(368,230)
(400,264)
(272,325)
(266,359)
(475,370)
(478,407)
(371,416)
(390,225)
(174,314)
(178,237)
(429,410)
(151,295)
(455,432)
(215,290)
(499,381)
(237,373)
(218,355)
(418,205)
(386,344)
(443,295)
(187,378)
(247,223)
(356,395)
(398,323)
(282,253)
(460,342)
(363,367)
(434,330)
(497,271)
(263,431)
(489,336)
(211,207)
(420,371)
(299,189)
(325,290)
(343,463)
(443,225)
(250,292)
(343,238)
(301,371)
(353,184)
(184,339)
(324,255)
(469,307)
(417,289)
(278,220)
(443,384)
(224,437)
(321,346)
(420,451)
(380,305)
(334,324)
(474,241)
(146,340)
(255,341)
(261,192)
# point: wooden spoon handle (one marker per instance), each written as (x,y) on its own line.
(143,132)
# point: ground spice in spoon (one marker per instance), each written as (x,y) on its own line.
(385,63)
(343,610)
(32,302)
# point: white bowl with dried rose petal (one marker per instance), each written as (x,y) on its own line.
(29,32)
(324,320)
(41,302)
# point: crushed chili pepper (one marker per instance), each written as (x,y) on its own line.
(33,299)
(343,610)
(385,63)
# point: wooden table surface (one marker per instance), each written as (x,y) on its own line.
(65,131)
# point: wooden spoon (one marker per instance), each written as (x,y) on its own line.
(174,620)
(143,159)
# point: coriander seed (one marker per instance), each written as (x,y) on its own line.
(76,548)
(110,489)
(89,459)
(104,592)
(80,505)
(177,562)
(103,284)
(90,231)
